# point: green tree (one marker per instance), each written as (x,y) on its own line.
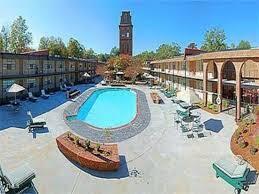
(90,54)
(232,46)
(1,43)
(56,46)
(75,49)
(214,40)
(20,38)
(44,43)
(114,52)
(146,55)
(5,38)
(192,45)
(166,51)
(103,57)
(243,44)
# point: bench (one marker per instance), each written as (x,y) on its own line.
(156,98)
(73,93)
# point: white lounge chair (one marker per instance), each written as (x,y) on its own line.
(44,95)
(35,122)
(62,88)
(31,97)
(17,180)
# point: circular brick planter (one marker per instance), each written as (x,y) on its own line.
(88,159)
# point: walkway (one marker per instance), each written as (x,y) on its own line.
(159,159)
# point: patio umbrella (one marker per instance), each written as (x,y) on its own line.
(86,74)
(119,73)
(15,88)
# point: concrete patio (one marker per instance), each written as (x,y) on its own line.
(158,160)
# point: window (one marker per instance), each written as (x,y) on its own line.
(127,34)
(31,66)
(31,83)
(7,83)
(49,66)
(9,64)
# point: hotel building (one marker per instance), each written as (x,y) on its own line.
(231,75)
(38,70)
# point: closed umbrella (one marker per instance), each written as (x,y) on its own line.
(86,75)
(15,88)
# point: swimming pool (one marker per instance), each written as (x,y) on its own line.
(109,108)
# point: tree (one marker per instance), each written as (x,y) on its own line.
(146,55)
(56,46)
(75,49)
(100,69)
(192,45)
(1,43)
(20,38)
(166,51)
(5,38)
(118,63)
(90,54)
(103,57)
(134,69)
(214,40)
(115,52)
(44,43)
(232,46)
(243,44)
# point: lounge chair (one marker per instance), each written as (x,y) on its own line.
(17,180)
(31,97)
(67,87)
(233,172)
(35,123)
(44,95)
(62,88)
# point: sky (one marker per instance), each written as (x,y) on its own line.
(94,23)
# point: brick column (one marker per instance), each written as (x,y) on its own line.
(205,80)
(238,66)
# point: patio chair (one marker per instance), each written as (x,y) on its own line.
(62,88)
(32,98)
(17,180)
(35,123)
(44,95)
(233,172)
(67,87)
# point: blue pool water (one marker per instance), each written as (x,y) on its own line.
(109,108)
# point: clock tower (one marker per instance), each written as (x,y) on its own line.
(125,28)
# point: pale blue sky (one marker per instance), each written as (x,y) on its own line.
(95,22)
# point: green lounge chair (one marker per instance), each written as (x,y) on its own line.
(17,180)
(233,172)
(35,123)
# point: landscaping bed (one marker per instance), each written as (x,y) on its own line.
(88,154)
(245,142)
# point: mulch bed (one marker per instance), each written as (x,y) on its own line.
(249,137)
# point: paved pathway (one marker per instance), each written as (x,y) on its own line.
(158,160)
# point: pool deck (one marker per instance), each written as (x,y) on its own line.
(158,160)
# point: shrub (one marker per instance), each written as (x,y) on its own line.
(98,146)
(253,150)
(87,144)
(77,140)
(243,144)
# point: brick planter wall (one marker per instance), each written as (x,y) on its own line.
(86,158)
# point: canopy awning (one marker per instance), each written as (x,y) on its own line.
(15,88)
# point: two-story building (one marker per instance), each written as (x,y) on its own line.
(232,75)
(38,70)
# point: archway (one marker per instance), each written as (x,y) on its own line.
(228,74)
(249,86)
(212,79)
